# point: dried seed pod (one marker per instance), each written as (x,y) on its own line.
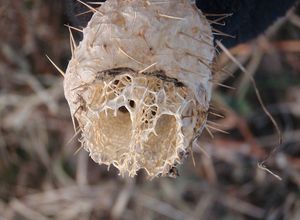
(139,83)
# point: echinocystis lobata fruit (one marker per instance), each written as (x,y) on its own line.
(139,83)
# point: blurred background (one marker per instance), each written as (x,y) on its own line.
(43,175)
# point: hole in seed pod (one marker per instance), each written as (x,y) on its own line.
(123,109)
(128,78)
(161,144)
(132,103)
(110,135)
(116,82)
(154,110)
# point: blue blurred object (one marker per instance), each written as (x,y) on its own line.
(249,17)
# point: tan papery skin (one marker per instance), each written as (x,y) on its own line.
(139,83)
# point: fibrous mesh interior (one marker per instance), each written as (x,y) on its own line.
(135,121)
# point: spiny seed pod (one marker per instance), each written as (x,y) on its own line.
(139,83)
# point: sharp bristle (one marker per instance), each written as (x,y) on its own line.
(74,136)
(216,23)
(214,123)
(218,20)
(95,3)
(130,57)
(56,67)
(203,150)
(190,71)
(216,114)
(220,33)
(222,70)
(223,85)
(216,129)
(170,16)
(193,158)
(209,132)
(74,28)
(83,13)
(72,41)
(224,15)
(90,7)
(73,122)
(71,46)
(202,40)
(157,3)
(148,67)
(79,149)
